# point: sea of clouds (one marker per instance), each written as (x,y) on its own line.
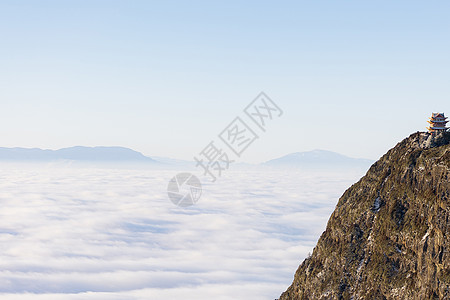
(105,233)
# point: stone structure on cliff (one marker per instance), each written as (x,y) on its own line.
(438,122)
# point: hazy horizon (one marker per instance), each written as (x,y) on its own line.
(131,153)
(165,78)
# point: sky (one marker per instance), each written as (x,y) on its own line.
(166,77)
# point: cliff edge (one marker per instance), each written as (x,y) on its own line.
(388,237)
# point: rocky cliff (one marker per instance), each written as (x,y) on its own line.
(388,237)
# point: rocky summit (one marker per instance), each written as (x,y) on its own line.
(388,237)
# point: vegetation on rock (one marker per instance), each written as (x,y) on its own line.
(388,237)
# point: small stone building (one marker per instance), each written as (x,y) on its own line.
(437,123)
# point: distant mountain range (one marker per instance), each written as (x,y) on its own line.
(317,158)
(313,159)
(78,153)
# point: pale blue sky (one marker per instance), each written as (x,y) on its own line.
(165,77)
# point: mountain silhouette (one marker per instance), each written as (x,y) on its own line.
(77,153)
(318,159)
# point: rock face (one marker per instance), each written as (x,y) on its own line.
(388,237)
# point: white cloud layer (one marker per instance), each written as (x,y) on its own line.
(93,233)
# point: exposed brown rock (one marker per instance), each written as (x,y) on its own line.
(388,237)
